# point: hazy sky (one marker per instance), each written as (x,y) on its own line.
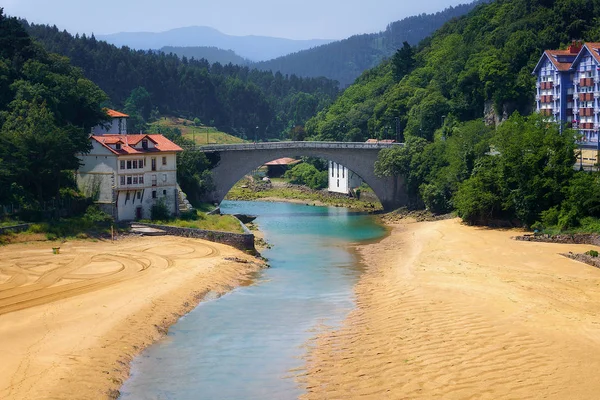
(307,19)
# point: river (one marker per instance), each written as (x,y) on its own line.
(246,344)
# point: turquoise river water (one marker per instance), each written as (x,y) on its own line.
(243,345)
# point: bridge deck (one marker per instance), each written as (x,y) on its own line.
(295,145)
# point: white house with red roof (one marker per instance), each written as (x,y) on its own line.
(128,174)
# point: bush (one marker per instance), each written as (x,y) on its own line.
(160,211)
(592,253)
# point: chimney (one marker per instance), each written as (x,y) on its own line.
(575,47)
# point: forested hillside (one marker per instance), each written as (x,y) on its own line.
(436,96)
(47,109)
(210,54)
(345,60)
(236,99)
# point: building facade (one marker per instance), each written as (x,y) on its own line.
(341,179)
(117,125)
(568,89)
(128,174)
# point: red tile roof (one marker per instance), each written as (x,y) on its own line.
(116,114)
(594,48)
(561,66)
(283,161)
(161,143)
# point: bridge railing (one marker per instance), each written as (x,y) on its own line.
(294,145)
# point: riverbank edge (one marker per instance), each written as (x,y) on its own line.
(170,317)
(150,324)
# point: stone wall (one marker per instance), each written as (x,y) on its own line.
(577,238)
(14,228)
(242,241)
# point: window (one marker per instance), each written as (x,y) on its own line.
(122,180)
(135,180)
(164,192)
(153,180)
(141,179)
(128,164)
(338,172)
(343,169)
(122,164)
(153,163)
(331,166)
(164,161)
(118,146)
(338,183)
(164,177)
(145,144)
(139,195)
(141,163)
(129,180)
(154,194)
(135,164)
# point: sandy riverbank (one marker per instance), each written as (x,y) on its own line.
(446,311)
(70,323)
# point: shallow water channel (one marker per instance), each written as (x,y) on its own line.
(243,345)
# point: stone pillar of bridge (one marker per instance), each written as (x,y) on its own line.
(235,164)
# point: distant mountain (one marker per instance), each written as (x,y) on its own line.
(210,54)
(345,60)
(255,48)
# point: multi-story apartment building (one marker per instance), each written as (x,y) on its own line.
(128,174)
(568,89)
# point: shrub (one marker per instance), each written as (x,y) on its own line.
(160,211)
(592,253)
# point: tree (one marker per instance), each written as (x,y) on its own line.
(403,61)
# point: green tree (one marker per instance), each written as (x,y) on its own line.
(403,61)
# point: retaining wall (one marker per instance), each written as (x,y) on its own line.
(577,238)
(242,241)
(14,228)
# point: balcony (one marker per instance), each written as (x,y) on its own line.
(586,112)
(586,96)
(547,85)
(547,98)
(586,82)
(586,125)
(546,112)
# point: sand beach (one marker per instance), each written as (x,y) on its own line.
(70,323)
(447,311)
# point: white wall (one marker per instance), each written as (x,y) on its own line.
(341,179)
(97,173)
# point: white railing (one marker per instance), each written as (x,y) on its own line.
(296,145)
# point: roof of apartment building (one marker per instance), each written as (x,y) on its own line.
(116,114)
(563,60)
(129,143)
(282,161)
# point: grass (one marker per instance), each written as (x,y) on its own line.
(198,133)
(222,223)
(298,192)
(10,222)
(586,225)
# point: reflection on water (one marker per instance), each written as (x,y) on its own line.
(244,344)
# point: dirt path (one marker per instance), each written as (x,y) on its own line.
(453,312)
(71,322)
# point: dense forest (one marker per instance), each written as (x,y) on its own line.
(236,99)
(345,60)
(211,54)
(47,108)
(436,97)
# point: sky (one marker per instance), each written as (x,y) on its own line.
(306,19)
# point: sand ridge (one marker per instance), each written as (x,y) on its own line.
(71,323)
(455,312)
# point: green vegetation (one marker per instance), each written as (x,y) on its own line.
(592,253)
(473,67)
(193,130)
(436,97)
(47,109)
(200,220)
(307,174)
(247,190)
(247,103)
(346,59)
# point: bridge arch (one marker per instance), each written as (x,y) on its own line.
(236,161)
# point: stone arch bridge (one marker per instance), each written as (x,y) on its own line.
(237,160)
